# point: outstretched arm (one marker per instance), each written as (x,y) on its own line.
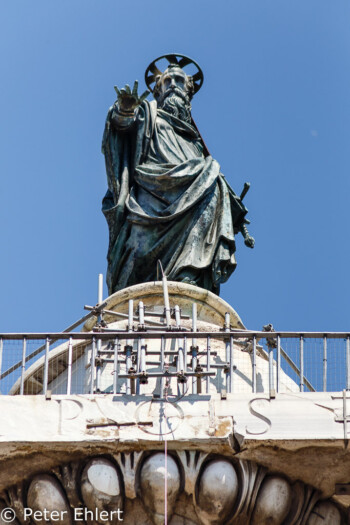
(125,108)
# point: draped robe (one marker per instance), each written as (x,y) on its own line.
(166,201)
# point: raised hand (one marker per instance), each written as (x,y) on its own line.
(129,100)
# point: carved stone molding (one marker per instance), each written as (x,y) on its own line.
(190,486)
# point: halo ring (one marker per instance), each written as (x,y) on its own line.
(173,58)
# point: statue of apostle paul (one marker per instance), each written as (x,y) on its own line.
(167,199)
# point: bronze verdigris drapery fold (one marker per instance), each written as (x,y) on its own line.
(166,201)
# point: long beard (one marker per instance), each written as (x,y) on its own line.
(176,105)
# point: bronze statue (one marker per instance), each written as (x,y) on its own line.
(167,199)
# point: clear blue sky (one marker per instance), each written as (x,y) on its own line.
(274,110)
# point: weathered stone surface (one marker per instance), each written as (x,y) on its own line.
(223,489)
(46,494)
(154,471)
(217,491)
(273,502)
(324,513)
(100,486)
(210,307)
(298,431)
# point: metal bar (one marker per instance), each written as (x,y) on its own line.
(177,317)
(24,351)
(41,348)
(231,364)
(271,378)
(129,344)
(208,365)
(162,364)
(161,327)
(181,359)
(141,354)
(301,351)
(227,352)
(115,371)
(167,374)
(325,364)
(239,334)
(185,353)
(98,365)
(348,363)
(194,347)
(166,352)
(92,365)
(194,322)
(296,369)
(130,320)
(166,300)
(278,379)
(69,368)
(99,321)
(126,316)
(46,366)
(345,416)
(254,366)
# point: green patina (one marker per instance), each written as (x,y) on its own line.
(167,199)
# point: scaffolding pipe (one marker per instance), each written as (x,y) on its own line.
(69,368)
(24,351)
(46,366)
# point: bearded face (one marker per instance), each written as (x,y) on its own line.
(173,95)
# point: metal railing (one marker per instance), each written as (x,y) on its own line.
(194,360)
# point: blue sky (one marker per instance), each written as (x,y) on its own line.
(274,110)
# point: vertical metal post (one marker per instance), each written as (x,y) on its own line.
(228,356)
(166,300)
(231,364)
(92,365)
(115,371)
(271,378)
(324,363)
(278,363)
(348,363)
(99,342)
(345,416)
(180,360)
(177,317)
(23,368)
(69,368)
(162,364)
(1,351)
(208,365)
(254,366)
(46,366)
(194,348)
(185,353)
(180,346)
(98,366)
(301,351)
(129,346)
(141,346)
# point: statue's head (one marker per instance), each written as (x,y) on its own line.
(172,88)
(173,78)
(173,92)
